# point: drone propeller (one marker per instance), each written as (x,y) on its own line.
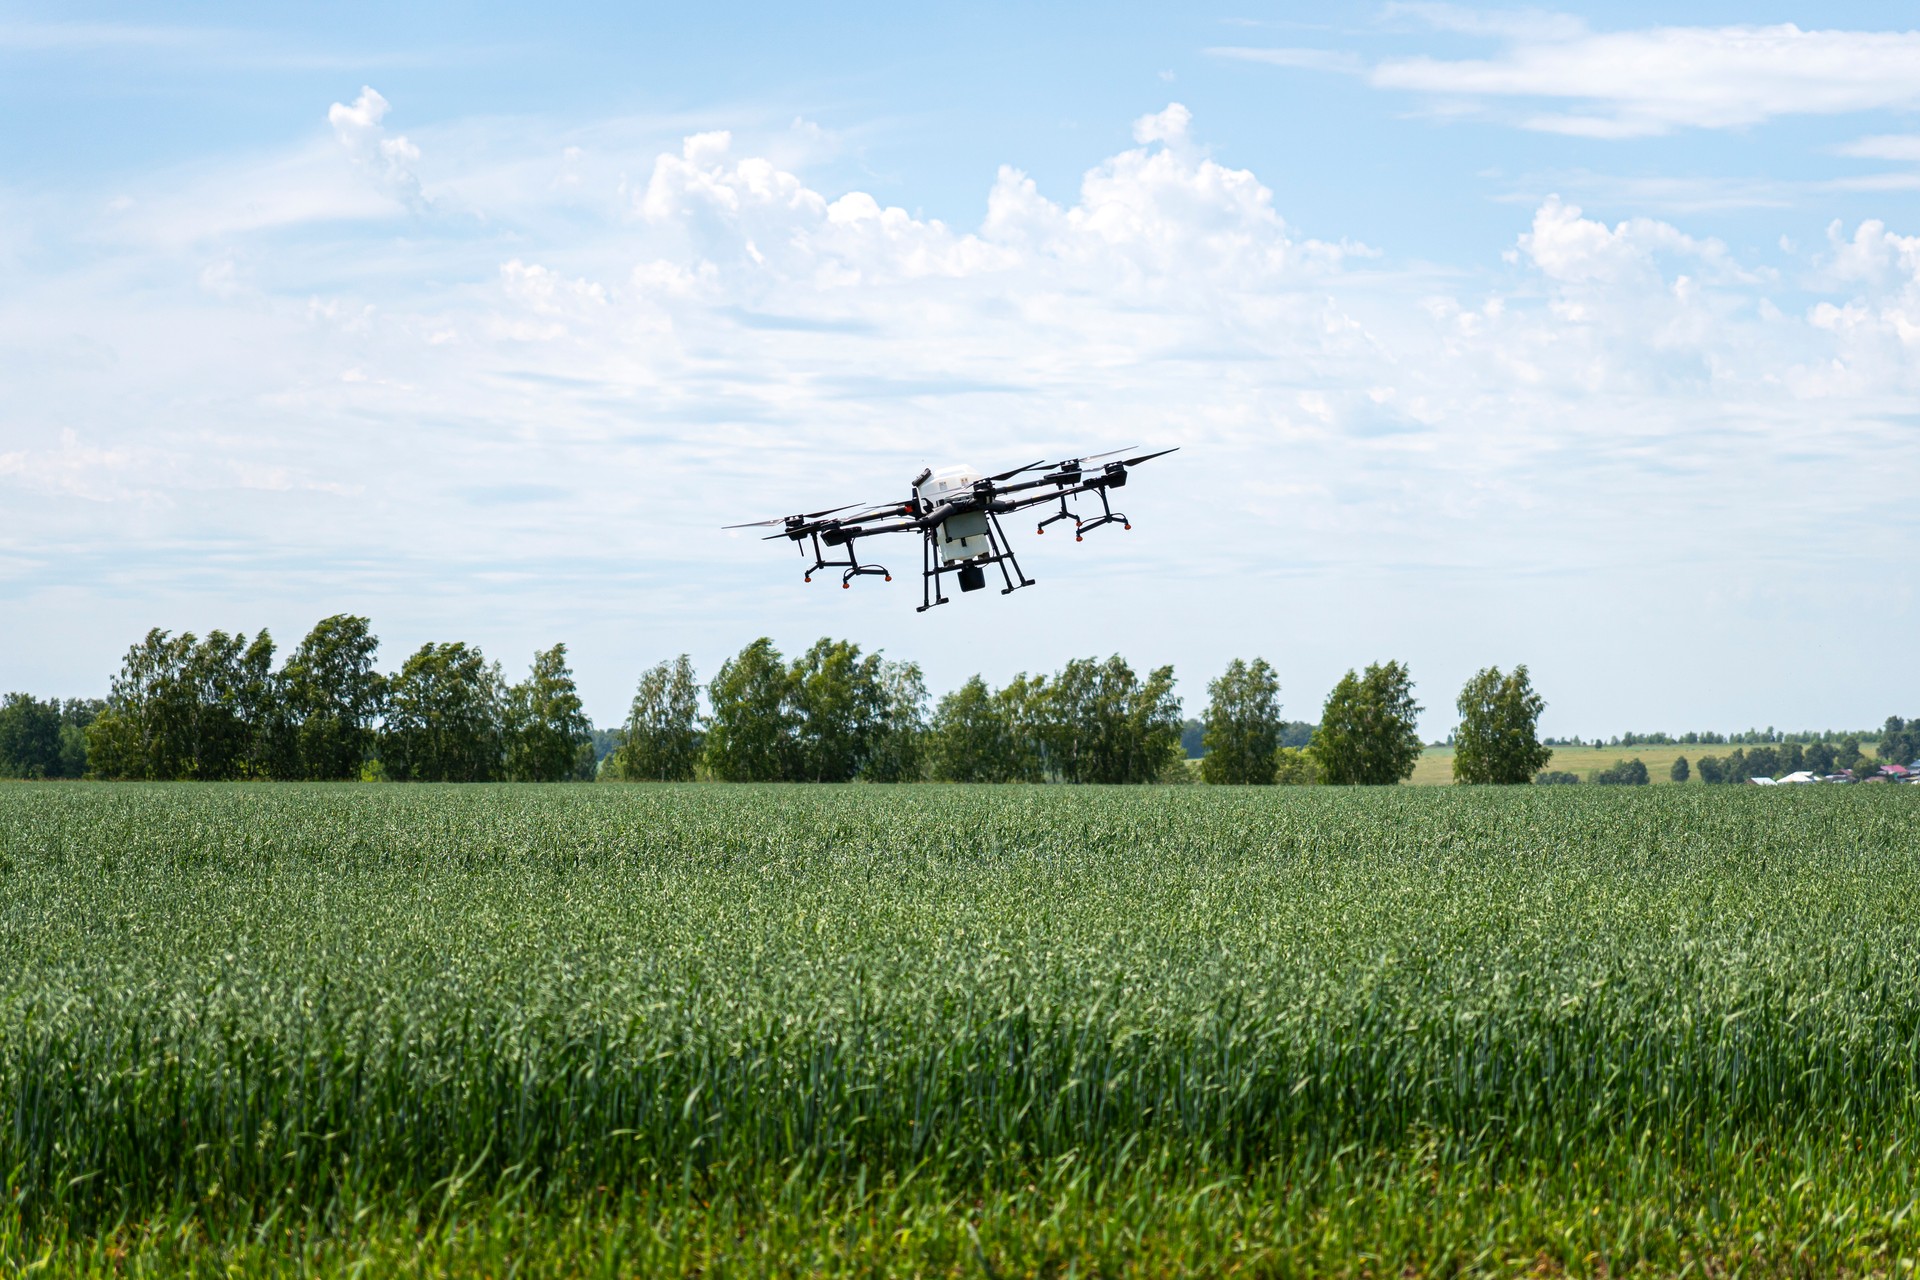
(1008,475)
(1145,457)
(880,509)
(809,515)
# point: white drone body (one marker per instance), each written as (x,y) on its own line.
(963,536)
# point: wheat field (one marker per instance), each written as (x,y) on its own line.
(275,1029)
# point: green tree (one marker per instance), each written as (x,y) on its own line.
(29,737)
(1680,772)
(980,735)
(332,696)
(546,725)
(1899,741)
(1243,725)
(970,739)
(838,706)
(215,692)
(899,751)
(444,721)
(661,741)
(750,734)
(1102,723)
(1498,741)
(1819,757)
(1025,706)
(259,698)
(1294,767)
(147,730)
(76,714)
(1369,729)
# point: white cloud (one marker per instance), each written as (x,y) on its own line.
(73,468)
(1899,146)
(1640,83)
(1567,247)
(1294,59)
(1653,81)
(727,335)
(387,161)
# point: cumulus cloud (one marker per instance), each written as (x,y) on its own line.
(1568,247)
(388,162)
(727,333)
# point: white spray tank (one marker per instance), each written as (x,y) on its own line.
(963,536)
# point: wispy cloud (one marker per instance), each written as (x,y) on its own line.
(47,36)
(1299,59)
(1897,146)
(1634,84)
(222,47)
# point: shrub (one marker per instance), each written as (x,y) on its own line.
(1624,773)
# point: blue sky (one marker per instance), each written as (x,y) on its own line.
(1576,337)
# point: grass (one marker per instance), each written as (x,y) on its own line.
(1435,767)
(941,1030)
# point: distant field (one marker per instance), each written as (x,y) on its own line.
(958,1031)
(1436,763)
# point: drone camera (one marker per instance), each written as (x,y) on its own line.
(972,577)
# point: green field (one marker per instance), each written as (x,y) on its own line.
(1435,767)
(1004,1031)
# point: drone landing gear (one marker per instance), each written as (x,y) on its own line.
(1108,516)
(972,573)
(851,565)
(1003,556)
(1062,514)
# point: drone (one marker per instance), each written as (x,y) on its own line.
(956,511)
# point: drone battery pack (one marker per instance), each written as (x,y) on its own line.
(964,536)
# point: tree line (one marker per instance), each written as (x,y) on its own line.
(216,708)
(1750,737)
(228,707)
(219,708)
(1899,743)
